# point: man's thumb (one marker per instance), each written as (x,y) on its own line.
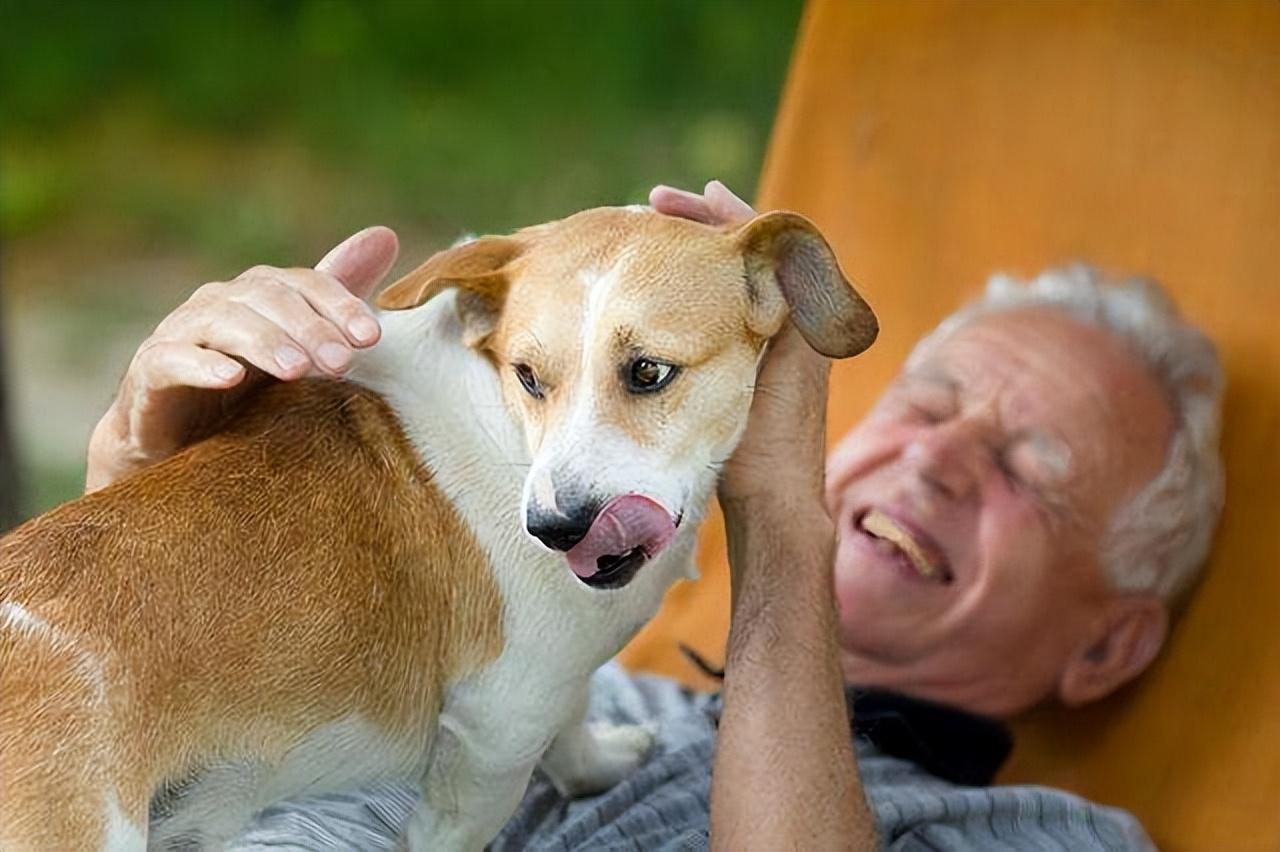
(362,259)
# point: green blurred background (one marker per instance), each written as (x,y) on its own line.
(146,148)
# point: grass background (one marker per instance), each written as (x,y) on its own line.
(148,147)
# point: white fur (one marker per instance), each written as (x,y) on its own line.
(122,835)
(497,723)
(17,618)
(599,458)
(592,758)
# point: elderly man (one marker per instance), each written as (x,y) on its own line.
(1010,525)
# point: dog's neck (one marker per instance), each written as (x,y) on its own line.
(450,403)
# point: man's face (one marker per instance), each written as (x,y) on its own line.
(971,503)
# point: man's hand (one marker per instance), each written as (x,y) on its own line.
(778,465)
(784,774)
(232,336)
(717,205)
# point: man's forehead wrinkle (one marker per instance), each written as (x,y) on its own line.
(1081,384)
(985,370)
(1017,417)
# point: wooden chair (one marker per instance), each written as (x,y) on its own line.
(938,142)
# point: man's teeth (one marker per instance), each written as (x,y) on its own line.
(882,526)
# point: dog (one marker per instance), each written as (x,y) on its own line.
(412,573)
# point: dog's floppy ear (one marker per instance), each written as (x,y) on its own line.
(791,269)
(478,269)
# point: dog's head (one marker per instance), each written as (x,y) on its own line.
(627,344)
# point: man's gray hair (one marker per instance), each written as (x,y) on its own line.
(1157,542)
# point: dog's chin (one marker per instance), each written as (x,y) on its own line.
(616,571)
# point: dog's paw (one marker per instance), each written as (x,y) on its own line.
(600,756)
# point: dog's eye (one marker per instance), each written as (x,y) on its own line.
(646,375)
(530,382)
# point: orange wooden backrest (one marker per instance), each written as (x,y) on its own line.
(938,142)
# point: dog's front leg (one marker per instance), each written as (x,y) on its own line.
(473,785)
(587,758)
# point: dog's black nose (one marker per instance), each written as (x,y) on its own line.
(557,531)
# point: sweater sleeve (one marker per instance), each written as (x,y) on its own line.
(993,819)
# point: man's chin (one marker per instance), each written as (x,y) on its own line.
(862,627)
(865,588)
(878,622)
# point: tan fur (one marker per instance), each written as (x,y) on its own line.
(741,285)
(219,592)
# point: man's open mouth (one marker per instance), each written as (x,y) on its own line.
(912,548)
(629,531)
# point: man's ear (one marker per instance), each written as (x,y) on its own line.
(791,269)
(478,269)
(1129,637)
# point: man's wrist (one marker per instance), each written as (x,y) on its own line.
(772,533)
(780,563)
(785,510)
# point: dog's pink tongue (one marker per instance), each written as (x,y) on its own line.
(628,522)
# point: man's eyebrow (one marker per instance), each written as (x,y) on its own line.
(1051,447)
(1055,496)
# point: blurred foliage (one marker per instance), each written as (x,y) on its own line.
(147,146)
(492,114)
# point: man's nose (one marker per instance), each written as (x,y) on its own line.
(562,528)
(947,456)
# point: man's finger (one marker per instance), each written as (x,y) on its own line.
(320,294)
(240,331)
(678,202)
(716,206)
(362,259)
(728,208)
(296,313)
(166,365)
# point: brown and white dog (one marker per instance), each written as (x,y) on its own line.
(364,580)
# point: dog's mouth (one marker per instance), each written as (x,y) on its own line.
(615,571)
(628,532)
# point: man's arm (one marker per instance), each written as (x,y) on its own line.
(784,774)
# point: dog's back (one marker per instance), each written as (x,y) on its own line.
(224,603)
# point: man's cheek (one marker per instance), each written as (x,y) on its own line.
(857,456)
(1013,547)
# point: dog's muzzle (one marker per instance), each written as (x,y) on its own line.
(606,549)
